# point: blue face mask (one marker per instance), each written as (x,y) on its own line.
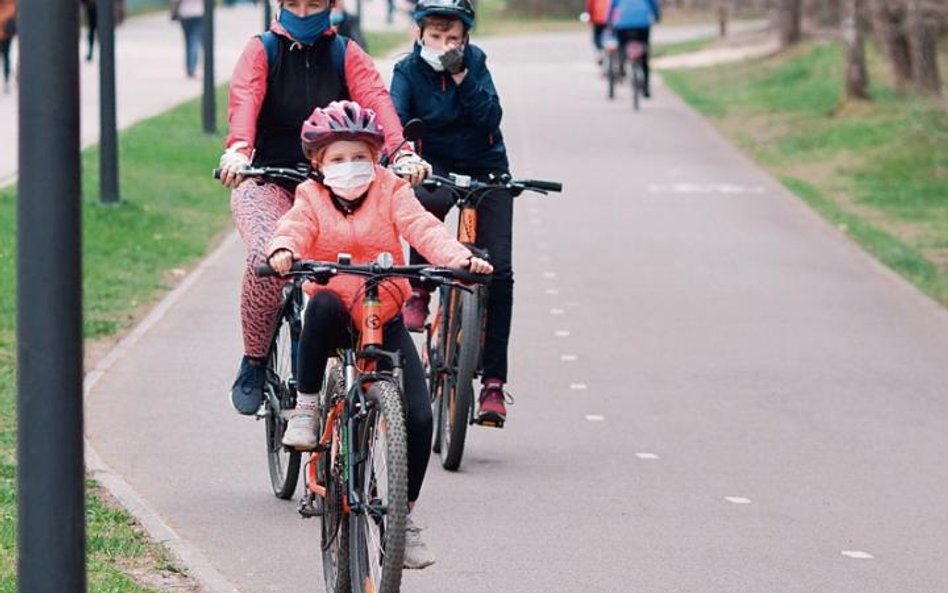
(306,29)
(337,18)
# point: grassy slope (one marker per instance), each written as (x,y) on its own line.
(877,170)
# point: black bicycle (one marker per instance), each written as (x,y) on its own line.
(455,337)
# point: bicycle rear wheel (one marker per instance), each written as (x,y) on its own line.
(638,83)
(280,394)
(334,524)
(457,401)
(377,534)
(612,72)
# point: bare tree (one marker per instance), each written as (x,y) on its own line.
(890,22)
(723,16)
(854,44)
(923,43)
(789,21)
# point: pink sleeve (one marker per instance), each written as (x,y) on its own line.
(298,229)
(368,89)
(248,87)
(423,231)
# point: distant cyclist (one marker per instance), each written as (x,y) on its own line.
(598,13)
(632,21)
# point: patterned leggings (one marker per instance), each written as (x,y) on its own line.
(256,208)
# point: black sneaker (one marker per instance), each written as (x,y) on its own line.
(247,393)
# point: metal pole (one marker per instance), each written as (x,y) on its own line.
(267,14)
(108,136)
(50,498)
(209,104)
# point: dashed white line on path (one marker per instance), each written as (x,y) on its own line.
(648,456)
(737,499)
(557,311)
(562,333)
(578,386)
(552,291)
(595,418)
(569,358)
(858,554)
(549,275)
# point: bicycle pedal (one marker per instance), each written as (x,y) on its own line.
(490,422)
(309,508)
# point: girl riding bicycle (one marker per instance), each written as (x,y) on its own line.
(360,208)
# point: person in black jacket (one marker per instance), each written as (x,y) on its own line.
(446,83)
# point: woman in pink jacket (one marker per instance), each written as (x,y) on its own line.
(281,76)
(361,209)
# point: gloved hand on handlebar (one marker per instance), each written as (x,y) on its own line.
(410,166)
(232,163)
(281,260)
(453,60)
(477,265)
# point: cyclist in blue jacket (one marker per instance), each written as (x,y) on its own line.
(632,21)
(445,82)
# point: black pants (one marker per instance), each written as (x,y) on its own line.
(642,35)
(495,234)
(5,50)
(92,20)
(328,326)
(597,31)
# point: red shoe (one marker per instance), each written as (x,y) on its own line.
(415,311)
(492,411)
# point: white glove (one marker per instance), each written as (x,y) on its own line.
(410,166)
(232,163)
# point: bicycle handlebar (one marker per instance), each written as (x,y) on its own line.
(466,183)
(321,272)
(296,175)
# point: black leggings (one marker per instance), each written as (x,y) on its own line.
(5,50)
(495,234)
(624,36)
(328,326)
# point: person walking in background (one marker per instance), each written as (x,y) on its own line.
(7,33)
(92,20)
(190,13)
(632,21)
(347,24)
(598,13)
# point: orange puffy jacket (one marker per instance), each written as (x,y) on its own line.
(315,229)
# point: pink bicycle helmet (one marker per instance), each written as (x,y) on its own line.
(340,120)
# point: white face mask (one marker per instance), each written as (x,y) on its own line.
(349,180)
(433,57)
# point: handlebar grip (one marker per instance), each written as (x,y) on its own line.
(469,278)
(553,186)
(265,270)
(217,173)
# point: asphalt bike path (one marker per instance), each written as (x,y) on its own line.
(715,390)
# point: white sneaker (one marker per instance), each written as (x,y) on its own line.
(301,430)
(417,554)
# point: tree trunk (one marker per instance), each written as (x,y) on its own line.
(854,45)
(923,41)
(890,25)
(789,16)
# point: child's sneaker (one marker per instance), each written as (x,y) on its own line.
(301,430)
(415,311)
(417,554)
(492,411)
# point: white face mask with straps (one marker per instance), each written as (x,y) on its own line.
(432,57)
(349,180)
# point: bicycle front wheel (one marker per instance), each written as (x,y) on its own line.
(377,533)
(457,399)
(334,532)
(280,394)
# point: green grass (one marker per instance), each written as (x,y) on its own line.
(682,47)
(493,18)
(879,169)
(382,43)
(171,213)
